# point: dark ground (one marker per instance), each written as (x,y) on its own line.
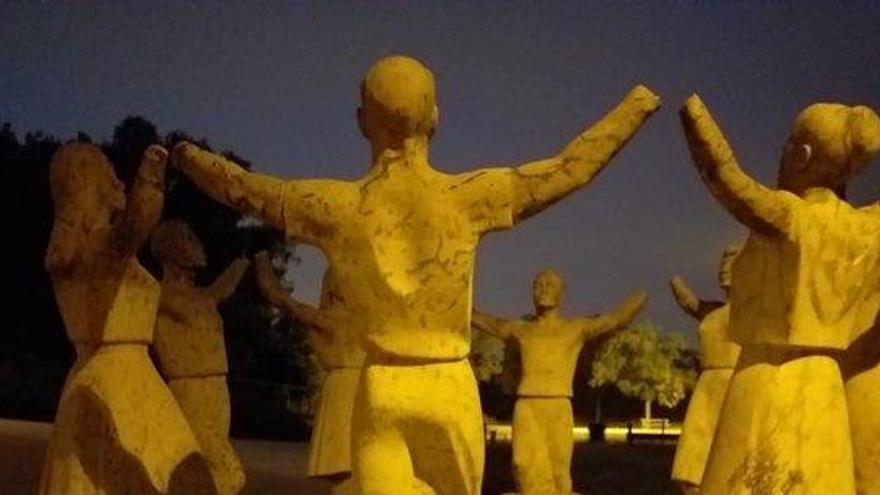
(278,467)
(597,469)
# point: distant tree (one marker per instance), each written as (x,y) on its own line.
(645,364)
(487,356)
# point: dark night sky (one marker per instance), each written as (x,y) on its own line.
(277,83)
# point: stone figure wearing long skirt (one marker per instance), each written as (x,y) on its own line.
(805,286)
(334,338)
(401,242)
(718,357)
(118,429)
(543,424)
(191,347)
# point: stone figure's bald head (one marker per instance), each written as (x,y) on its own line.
(173,242)
(398,100)
(547,289)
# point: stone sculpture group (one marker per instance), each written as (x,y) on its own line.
(795,411)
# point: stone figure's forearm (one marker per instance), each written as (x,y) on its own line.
(224,181)
(489,324)
(754,205)
(540,184)
(622,316)
(277,296)
(144,204)
(226,283)
(689,302)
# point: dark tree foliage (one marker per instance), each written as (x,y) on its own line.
(269,367)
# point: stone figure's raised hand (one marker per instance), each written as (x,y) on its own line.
(228,183)
(540,184)
(144,204)
(226,283)
(269,284)
(754,205)
(689,302)
(617,319)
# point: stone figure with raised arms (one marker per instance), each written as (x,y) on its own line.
(549,344)
(805,286)
(401,242)
(118,429)
(191,347)
(333,335)
(718,357)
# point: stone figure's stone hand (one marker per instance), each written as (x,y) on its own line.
(226,283)
(228,183)
(144,205)
(179,154)
(269,284)
(684,296)
(541,183)
(757,207)
(689,302)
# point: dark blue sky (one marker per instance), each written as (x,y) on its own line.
(277,83)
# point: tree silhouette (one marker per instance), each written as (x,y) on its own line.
(268,357)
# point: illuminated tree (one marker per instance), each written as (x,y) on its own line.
(645,364)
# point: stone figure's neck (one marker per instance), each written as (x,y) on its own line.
(413,151)
(547,312)
(801,190)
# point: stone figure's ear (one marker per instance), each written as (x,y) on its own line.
(801,157)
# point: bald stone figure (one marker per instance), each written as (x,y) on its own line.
(401,242)
(805,286)
(543,424)
(718,357)
(191,347)
(118,429)
(335,341)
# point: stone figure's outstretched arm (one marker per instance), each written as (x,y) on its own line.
(487,323)
(314,318)
(224,181)
(144,203)
(617,319)
(540,184)
(688,301)
(754,205)
(226,283)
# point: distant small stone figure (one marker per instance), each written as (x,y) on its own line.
(118,429)
(718,356)
(191,348)
(543,424)
(334,338)
(805,287)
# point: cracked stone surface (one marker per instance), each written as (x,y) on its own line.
(805,287)
(401,242)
